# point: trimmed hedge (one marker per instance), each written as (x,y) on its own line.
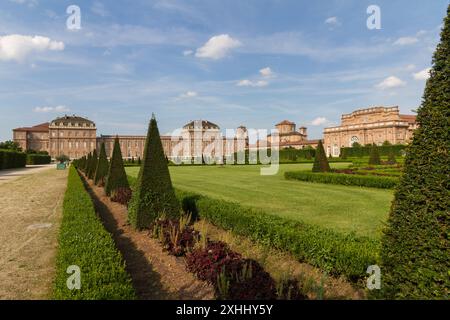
(84,242)
(12,159)
(397,150)
(33,159)
(336,253)
(343,179)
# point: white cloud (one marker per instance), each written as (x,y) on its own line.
(51,109)
(217,47)
(390,82)
(319,121)
(333,22)
(18,47)
(266,72)
(187,52)
(189,94)
(422,75)
(249,83)
(404,41)
(99,9)
(29,3)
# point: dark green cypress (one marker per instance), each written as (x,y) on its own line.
(92,165)
(374,158)
(415,254)
(117,177)
(391,158)
(88,163)
(320,161)
(102,167)
(153,195)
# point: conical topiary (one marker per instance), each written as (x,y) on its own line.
(415,250)
(117,178)
(88,163)
(153,194)
(93,166)
(374,158)
(102,167)
(320,161)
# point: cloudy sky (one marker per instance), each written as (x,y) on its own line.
(232,62)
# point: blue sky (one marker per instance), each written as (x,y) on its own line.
(232,62)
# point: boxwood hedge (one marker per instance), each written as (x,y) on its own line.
(84,242)
(381,182)
(33,159)
(336,253)
(12,159)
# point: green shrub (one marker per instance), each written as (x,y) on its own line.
(33,159)
(93,165)
(117,178)
(10,159)
(153,193)
(320,161)
(87,165)
(374,158)
(102,167)
(415,255)
(336,253)
(344,179)
(85,243)
(360,151)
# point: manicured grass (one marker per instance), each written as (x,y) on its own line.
(341,208)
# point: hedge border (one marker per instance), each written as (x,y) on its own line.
(12,159)
(84,242)
(370,181)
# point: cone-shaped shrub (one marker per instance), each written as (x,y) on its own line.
(102,167)
(374,158)
(415,245)
(391,158)
(88,164)
(93,165)
(320,161)
(117,178)
(153,194)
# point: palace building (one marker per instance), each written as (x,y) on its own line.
(290,137)
(76,136)
(367,126)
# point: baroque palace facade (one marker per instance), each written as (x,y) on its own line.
(76,136)
(367,126)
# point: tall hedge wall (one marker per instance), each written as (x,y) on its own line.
(33,159)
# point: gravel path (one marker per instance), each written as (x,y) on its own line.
(30,213)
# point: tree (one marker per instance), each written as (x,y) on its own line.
(62,158)
(92,165)
(102,167)
(88,163)
(415,244)
(374,158)
(320,161)
(10,145)
(387,143)
(154,195)
(117,181)
(356,145)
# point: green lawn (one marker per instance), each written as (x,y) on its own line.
(342,208)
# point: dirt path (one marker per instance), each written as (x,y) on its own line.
(30,214)
(12,174)
(155,274)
